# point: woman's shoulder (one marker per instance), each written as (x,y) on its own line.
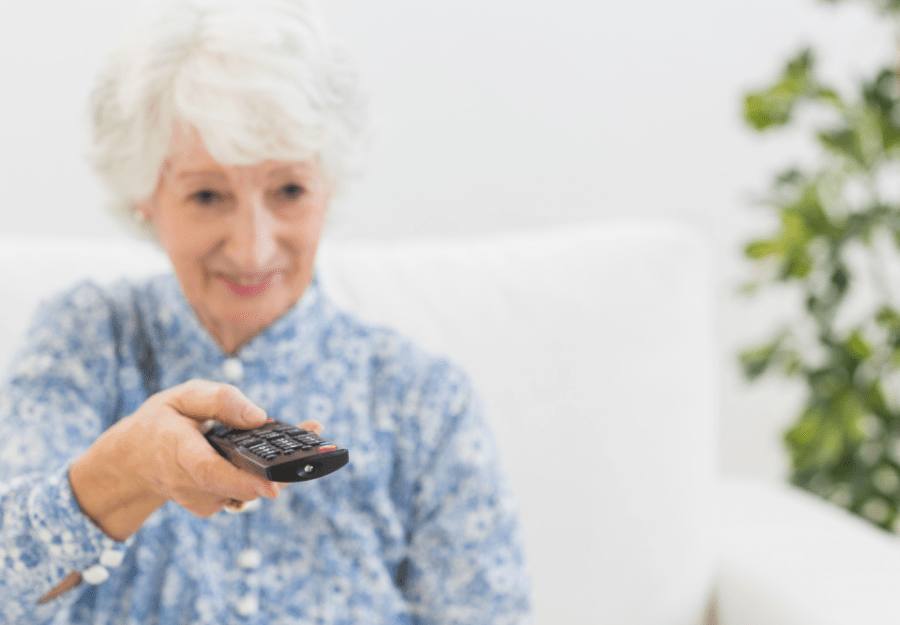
(393,357)
(89,297)
(80,328)
(90,312)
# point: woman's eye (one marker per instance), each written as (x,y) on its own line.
(291,191)
(205,197)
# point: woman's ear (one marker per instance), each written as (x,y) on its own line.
(143,211)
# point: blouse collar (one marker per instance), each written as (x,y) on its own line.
(180,337)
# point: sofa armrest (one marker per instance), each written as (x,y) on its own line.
(787,557)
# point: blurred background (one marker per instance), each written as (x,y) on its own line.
(506,114)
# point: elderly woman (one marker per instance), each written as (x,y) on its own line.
(226,127)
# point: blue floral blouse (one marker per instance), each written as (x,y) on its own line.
(420,527)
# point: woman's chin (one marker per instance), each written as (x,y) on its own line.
(234,313)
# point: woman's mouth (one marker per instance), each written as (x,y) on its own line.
(247,286)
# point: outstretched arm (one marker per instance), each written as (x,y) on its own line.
(158,454)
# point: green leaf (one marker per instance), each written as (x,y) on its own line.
(886,7)
(888,318)
(861,225)
(857,346)
(764,111)
(790,177)
(826,384)
(763,248)
(880,93)
(795,230)
(814,441)
(830,96)
(847,408)
(840,279)
(798,266)
(804,433)
(809,207)
(873,396)
(843,142)
(757,360)
(774,106)
(881,96)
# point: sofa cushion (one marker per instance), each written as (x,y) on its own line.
(593,348)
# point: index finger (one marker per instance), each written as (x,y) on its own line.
(202,400)
(215,474)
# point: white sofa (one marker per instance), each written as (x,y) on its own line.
(593,346)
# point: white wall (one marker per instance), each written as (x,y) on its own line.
(497,114)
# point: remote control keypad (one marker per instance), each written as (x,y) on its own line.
(281,439)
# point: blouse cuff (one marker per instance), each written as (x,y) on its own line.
(70,539)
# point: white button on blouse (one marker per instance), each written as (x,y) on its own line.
(249,559)
(95,575)
(112,558)
(247,605)
(233,369)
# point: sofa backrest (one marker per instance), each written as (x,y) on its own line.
(592,346)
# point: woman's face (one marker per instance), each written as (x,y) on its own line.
(242,239)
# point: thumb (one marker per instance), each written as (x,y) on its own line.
(202,400)
(314,426)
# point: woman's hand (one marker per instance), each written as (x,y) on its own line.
(159,454)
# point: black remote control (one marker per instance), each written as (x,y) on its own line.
(278,452)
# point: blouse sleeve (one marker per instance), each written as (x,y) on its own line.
(52,407)
(465,560)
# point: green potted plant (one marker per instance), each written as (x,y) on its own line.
(834,245)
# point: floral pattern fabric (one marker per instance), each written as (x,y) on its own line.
(420,527)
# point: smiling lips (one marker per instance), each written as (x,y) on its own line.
(247,286)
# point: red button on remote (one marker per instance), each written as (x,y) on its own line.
(327,447)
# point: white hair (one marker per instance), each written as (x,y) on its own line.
(258,79)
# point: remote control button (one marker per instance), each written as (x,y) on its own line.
(327,447)
(233,369)
(266,452)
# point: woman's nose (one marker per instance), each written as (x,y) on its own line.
(252,243)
